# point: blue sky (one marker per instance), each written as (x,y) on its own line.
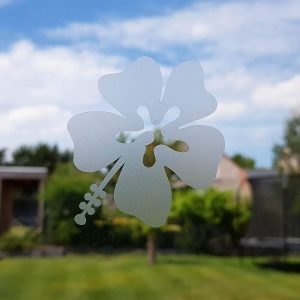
(53,52)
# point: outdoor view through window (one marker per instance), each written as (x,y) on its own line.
(149,149)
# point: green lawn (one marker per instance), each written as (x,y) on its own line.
(129,276)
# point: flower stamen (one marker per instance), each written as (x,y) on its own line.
(97,192)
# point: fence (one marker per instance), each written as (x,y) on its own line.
(274,227)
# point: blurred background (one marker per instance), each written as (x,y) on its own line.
(239,239)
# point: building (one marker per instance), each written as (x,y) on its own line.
(21,196)
(229,177)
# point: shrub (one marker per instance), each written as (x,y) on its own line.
(210,220)
(127,232)
(19,238)
(64,192)
(202,221)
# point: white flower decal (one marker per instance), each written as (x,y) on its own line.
(141,190)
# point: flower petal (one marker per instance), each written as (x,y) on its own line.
(143,192)
(185,89)
(94,137)
(198,166)
(139,85)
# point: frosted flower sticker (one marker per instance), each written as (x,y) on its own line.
(144,190)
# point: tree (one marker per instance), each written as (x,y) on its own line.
(40,155)
(244,161)
(287,155)
(149,160)
(2,156)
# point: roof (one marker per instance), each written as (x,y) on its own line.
(228,177)
(262,173)
(19,173)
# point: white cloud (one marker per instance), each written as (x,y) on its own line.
(232,34)
(228,111)
(250,28)
(283,94)
(41,88)
(32,76)
(31,124)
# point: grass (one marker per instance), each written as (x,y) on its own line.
(128,276)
